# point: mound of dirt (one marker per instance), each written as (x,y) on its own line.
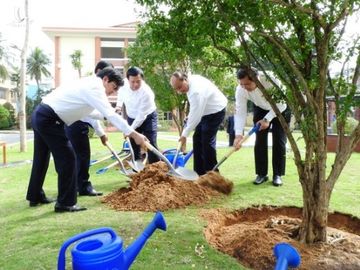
(250,235)
(153,189)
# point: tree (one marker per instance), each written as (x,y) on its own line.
(300,41)
(22,109)
(37,64)
(3,70)
(159,59)
(76,61)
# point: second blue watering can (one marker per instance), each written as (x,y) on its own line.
(102,249)
(181,158)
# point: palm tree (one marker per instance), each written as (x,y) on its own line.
(76,61)
(3,71)
(36,65)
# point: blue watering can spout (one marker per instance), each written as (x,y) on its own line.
(287,256)
(187,156)
(133,250)
(102,249)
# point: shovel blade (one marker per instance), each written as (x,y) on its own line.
(137,165)
(184,174)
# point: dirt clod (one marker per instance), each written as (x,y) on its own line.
(153,189)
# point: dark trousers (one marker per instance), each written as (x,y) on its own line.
(149,129)
(78,134)
(204,142)
(231,138)
(49,137)
(278,144)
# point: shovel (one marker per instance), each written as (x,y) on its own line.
(96,161)
(253,130)
(136,165)
(122,167)
(176,154)
(180,172)
(105,169)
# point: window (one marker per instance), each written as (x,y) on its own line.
(112,48)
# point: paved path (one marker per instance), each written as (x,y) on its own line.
(13,136)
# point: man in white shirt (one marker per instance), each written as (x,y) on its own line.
(78,134)
(207,112)
(265,116)
(139,101)
(65,105)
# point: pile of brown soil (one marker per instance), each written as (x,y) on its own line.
(250,235)
(153,189)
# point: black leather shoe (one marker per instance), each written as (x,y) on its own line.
(73,208)
(43,200)
(260,179)
(277,181)
(89,191)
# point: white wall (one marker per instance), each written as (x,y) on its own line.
(67,47)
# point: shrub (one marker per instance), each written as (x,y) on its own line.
(4,117)
(11,109)
(350,125)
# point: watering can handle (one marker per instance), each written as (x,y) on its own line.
(168,150)
(61,257)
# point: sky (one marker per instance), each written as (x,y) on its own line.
(77,13)
(68,13)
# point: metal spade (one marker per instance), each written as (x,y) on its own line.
(136,165)
(180,172)
(122,167)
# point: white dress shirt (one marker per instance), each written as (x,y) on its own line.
(78,99)
(242,96)
(139,103)
(204,99)
(95,125)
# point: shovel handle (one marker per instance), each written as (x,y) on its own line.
(100,160)
(131,149)
(161,156)
(176,154)
(105,169)
(122,168)
(247,136)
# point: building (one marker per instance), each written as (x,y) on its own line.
(7,94)
(109,43)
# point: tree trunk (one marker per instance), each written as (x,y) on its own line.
(22,111)
(315,206)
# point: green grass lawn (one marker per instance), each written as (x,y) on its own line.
(31,237)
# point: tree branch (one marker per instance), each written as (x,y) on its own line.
(292,66)
(355,78)
(344,12)
(296,6)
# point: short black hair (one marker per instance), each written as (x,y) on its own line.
(113,75)
(244,72)
(134,71)
(180,75)
(101,65)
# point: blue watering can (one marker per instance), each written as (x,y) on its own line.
(102,248)
(181,158)
(287,256)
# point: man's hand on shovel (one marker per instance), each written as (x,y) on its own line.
(139,138)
